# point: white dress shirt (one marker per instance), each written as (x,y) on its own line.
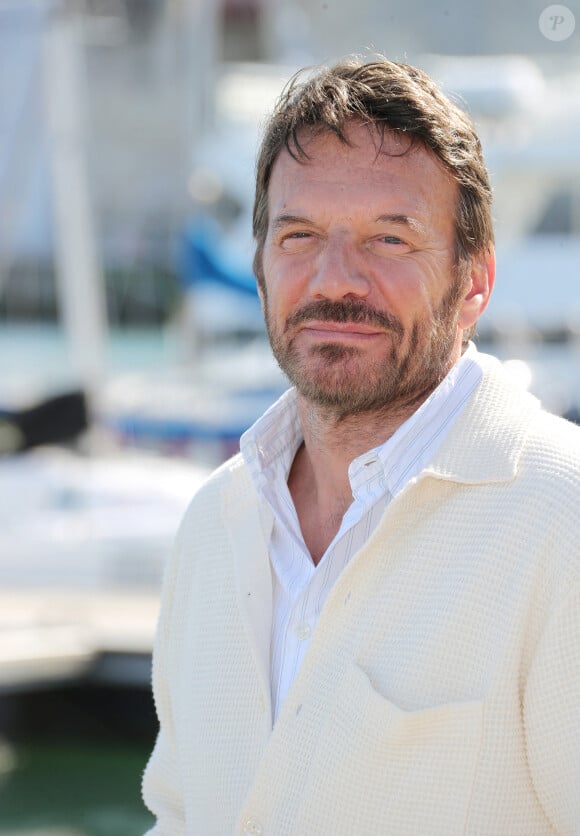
(300,588)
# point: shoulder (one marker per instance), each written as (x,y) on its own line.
(553,447)
(229,478)
(506,432)
(550,470)
(550,480)
(561,431)
(204,529)
(229,473)
(514,413)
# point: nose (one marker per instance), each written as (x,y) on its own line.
(339,273)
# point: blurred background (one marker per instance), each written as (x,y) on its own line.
(132,351)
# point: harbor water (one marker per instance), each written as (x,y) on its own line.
(72,789)
(72,759)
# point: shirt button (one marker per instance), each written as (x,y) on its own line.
(252,828)
(302,631)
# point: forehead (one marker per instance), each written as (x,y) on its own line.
(387,172)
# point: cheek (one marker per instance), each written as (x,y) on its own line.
(275,306)
(281,291)
(405,298)
(420,293)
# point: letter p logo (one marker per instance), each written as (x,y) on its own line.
(557,23)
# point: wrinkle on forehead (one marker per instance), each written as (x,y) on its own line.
(333,162)
(388,142)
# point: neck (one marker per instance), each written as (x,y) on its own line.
(344,438)
(331,444)
(333,438)
(318,480)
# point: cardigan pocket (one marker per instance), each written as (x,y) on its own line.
(379,769)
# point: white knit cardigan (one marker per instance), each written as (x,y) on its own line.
(440,693)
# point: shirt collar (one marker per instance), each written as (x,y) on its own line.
(270,444)
(411,448)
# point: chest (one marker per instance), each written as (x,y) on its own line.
(319,528)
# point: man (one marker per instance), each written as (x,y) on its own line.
(371,620)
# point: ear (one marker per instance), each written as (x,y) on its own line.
(479,287)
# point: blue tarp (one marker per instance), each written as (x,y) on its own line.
(201,260)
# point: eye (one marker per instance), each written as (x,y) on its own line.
(387,246)
(391,239)
(295,240)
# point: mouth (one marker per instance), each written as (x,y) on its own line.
(343,321)
(340,331)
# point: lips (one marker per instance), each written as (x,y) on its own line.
(343,317)
(341,329)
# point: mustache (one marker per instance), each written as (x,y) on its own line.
(349,310)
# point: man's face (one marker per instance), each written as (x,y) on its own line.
(363,303)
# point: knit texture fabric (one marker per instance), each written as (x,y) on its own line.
(440,693)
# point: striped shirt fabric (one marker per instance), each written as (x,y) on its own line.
(300,588)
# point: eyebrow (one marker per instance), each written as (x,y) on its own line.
(401,220)
(285,220)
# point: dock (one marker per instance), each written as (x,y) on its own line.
(50,637)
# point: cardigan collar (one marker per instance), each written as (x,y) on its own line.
(486,442)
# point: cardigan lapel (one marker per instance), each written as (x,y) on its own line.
(486,443)
(249,526)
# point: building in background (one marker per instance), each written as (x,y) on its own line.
(404,31)
(150,69)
